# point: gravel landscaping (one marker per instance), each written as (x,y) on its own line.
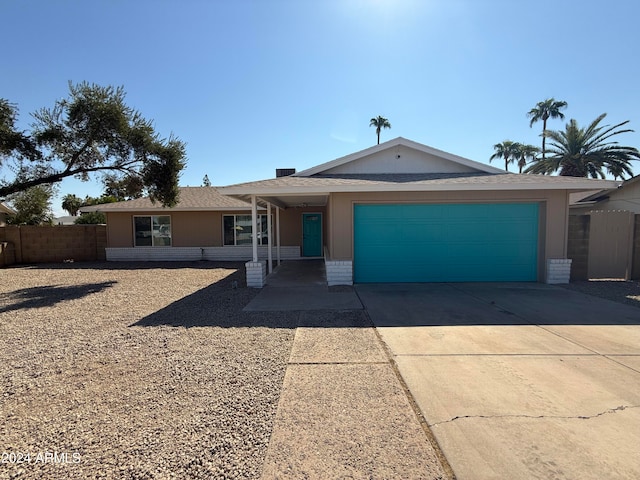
(621,291)
(136,371)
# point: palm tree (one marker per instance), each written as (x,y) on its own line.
(587,152)
(549,108)
(507,150)
(525,153)
(380,123)
(71,204)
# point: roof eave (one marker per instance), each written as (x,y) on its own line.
(240,192)
(165,210)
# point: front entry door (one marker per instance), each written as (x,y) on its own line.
(311,234)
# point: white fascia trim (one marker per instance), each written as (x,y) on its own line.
(296,190)
(393,143)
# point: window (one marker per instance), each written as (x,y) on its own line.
(237,229)
(152,231)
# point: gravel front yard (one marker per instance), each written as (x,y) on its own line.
(621,291)
(136,371)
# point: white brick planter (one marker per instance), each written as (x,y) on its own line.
(558,270)
(339,272)
(256,274)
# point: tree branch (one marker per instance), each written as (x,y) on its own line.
(56,177)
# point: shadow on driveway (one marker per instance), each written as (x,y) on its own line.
(440,304)
(221,304)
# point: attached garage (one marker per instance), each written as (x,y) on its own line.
(470,242)
(406,212)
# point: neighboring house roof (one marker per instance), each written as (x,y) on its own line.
(625,196)
(4,208)
(65,220)
(190,199)
(400,165)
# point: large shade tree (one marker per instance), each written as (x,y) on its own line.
(506,150)
(549,108)
(587,152)
(92,131)
(32,206)
(380,123)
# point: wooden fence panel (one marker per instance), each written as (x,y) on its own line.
(610,244)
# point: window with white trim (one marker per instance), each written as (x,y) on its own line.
(152,230)
(237,229)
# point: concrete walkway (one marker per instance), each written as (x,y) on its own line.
(343,412)
(518,380)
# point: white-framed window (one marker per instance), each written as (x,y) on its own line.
(236,229)
(152,230)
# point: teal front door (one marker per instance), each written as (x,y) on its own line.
(311,234)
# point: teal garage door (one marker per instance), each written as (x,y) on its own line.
(446,242)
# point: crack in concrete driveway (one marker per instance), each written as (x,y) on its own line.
(534,417)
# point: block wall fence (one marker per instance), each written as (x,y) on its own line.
(46,244)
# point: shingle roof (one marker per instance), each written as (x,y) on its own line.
(191,198)
(420,181)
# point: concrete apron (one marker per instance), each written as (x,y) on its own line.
(343,412)
(518,380)
(302,285)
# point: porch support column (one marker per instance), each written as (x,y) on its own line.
(269,238)
(254,227)
(278,234)
(256,270)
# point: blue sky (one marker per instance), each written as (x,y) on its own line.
(255,85)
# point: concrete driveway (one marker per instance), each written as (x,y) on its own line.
(518,380)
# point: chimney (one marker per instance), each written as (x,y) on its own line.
(284,172)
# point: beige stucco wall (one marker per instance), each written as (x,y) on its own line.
(553,215)
(188,229)
(413,161)
(204,229)
(291,224)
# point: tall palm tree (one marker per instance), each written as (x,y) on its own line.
(587,152)
(549,108)
(380,123)
(71,204)
(507,150)
(524,153)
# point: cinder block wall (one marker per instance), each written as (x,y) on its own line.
(578,246)
(43,244)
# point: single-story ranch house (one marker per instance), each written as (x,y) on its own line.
(396,212)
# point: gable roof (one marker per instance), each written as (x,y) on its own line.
(391,156)
(413,181)
(395,166)
(190,199)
